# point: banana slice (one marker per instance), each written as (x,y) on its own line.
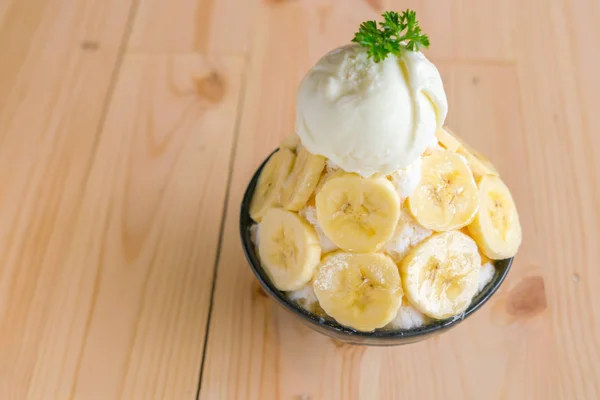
(361,291)
(329,175)
(291,142)
(288,249)
(302,181)
(479,164)
(326,176)
(484,258)
(446,197)
(448,140)
(270,181)
(496,227)
(358,214)
(441,275)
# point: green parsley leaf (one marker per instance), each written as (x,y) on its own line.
(396,34)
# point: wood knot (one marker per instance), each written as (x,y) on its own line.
(278,1)
(528,298)
(211,87)
(89,45)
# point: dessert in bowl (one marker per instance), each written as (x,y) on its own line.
(373,221)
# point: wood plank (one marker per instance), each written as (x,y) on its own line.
(465,29)
(257,351)
(558,74)
(52,95)
(242,335)
(135,299)
(330,24)
(205,26)
(105,277)
(227,26)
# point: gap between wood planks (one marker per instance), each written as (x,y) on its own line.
(236,133)
(112,84)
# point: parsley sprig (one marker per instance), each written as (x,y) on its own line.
(396,34)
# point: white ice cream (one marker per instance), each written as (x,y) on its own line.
(486,274)
(330,166)
(305,297)
(407,179)
(407,235)
(370,117)
(408,317)
(254,231)
(310,214)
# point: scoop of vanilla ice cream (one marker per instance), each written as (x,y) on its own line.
(370,117)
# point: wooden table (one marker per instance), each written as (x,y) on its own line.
(129,129)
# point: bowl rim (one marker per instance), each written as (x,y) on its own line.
(331,325)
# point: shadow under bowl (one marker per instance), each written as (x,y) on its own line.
(329,327)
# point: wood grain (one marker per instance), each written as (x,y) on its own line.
(129,130)
(558,96)
(466,29)
(278,343)
(205,26)
(52,96)
(513,337)
(106,277)
(157,195)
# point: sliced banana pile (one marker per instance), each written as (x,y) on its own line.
(302,181)
(495,227)
(267,193)
(383,251)
(479,164)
